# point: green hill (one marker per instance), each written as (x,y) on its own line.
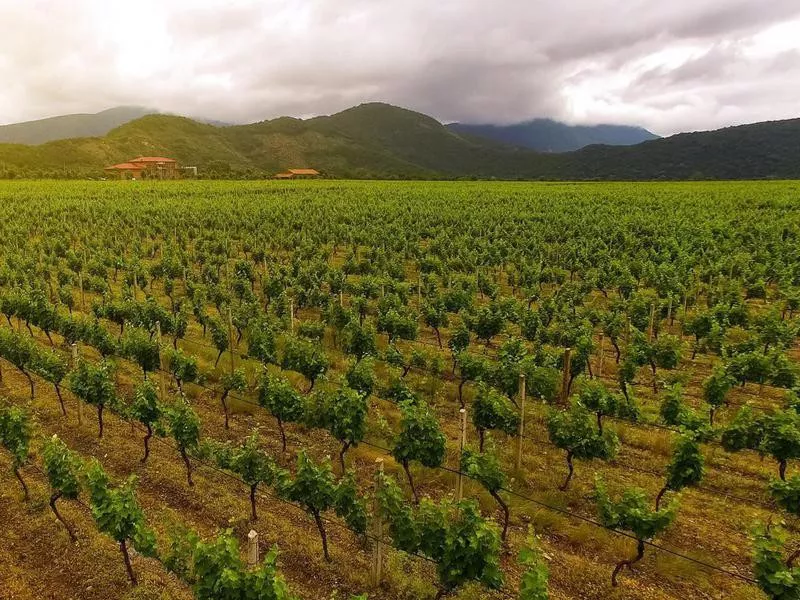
(383,141)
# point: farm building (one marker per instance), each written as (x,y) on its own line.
(150,167)
(297,174)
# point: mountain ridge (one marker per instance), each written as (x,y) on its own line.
(49,129)
(377,140)
(549,135)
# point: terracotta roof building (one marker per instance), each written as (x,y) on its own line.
(297,174)
(149,167)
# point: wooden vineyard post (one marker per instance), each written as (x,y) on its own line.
(230,337)
(565,376)
(377,549)
(651,323)
(135,285)
(291,316)
(685,308)
(521,432)
(74,365)
(669,311)
(162,385)
(341,298)
(602,355)
(252,548)
(83,295)
(463,444)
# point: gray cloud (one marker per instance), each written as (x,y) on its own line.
(682,65)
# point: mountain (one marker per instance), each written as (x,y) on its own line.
(546,135)
(70,126)
(382,141)
(768,150)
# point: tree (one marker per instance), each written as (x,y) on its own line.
(454,535)
(674,411)
(98,336)
(137,345)
(220,337)
(249,462)
(487,322)
(715,391)
(745,431)
(542,382)
(306,358)
(315,489)
(118,515)
(261,342)
(184,427)
(685,467)
(632,514)
(777,576)
(699,325)
(235,381)
(781,438)
(773,331)
(485,469)
(183,368)
(595,397)
(343,413)
(787,494)
(398,322)
(359,340)
(52,368)
(216,570)
(94,384)
(177,326)
(15,436)
(435,315)
(470,368)
(533,585)
(146,409)
(626,374)
(420,439)
(20,351)
(573,432)
(750,367)
(492,410)
(580,361)
(278,396)
(458,342)
(360,376)
(663,352)
(63,469)
(613,323)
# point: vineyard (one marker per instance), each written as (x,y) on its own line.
(351,390)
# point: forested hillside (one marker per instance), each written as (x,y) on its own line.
(383,141)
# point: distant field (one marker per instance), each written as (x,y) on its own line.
(363,315)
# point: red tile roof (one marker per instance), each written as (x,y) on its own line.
(303,171)
(124,167)
(146,159)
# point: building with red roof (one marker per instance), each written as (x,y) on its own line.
(297,173)
(149,167)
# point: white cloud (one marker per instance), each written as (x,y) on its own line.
(686,64)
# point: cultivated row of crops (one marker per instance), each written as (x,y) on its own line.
(476,390)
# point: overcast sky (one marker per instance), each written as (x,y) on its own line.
(668,65)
